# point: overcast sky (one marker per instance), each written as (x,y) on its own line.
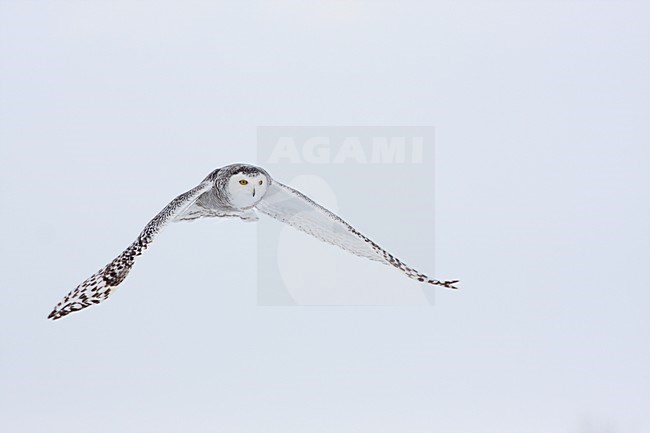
(541,112)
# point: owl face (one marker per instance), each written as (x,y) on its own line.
(247,188)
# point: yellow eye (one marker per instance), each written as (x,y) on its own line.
(260,182)
(243,182)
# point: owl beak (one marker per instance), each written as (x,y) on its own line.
(253,192)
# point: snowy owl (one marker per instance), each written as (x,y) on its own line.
(237,190)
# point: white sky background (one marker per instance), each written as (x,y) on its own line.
(541,109)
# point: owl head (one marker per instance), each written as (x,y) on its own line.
(245,185)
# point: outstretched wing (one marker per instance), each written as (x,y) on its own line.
(100,285)
(296,209)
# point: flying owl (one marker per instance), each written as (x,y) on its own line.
(237,190)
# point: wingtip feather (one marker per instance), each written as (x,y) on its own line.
(446,284)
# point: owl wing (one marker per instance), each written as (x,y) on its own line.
(100,285)
(296,209)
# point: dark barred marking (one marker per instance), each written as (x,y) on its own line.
(100,285)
